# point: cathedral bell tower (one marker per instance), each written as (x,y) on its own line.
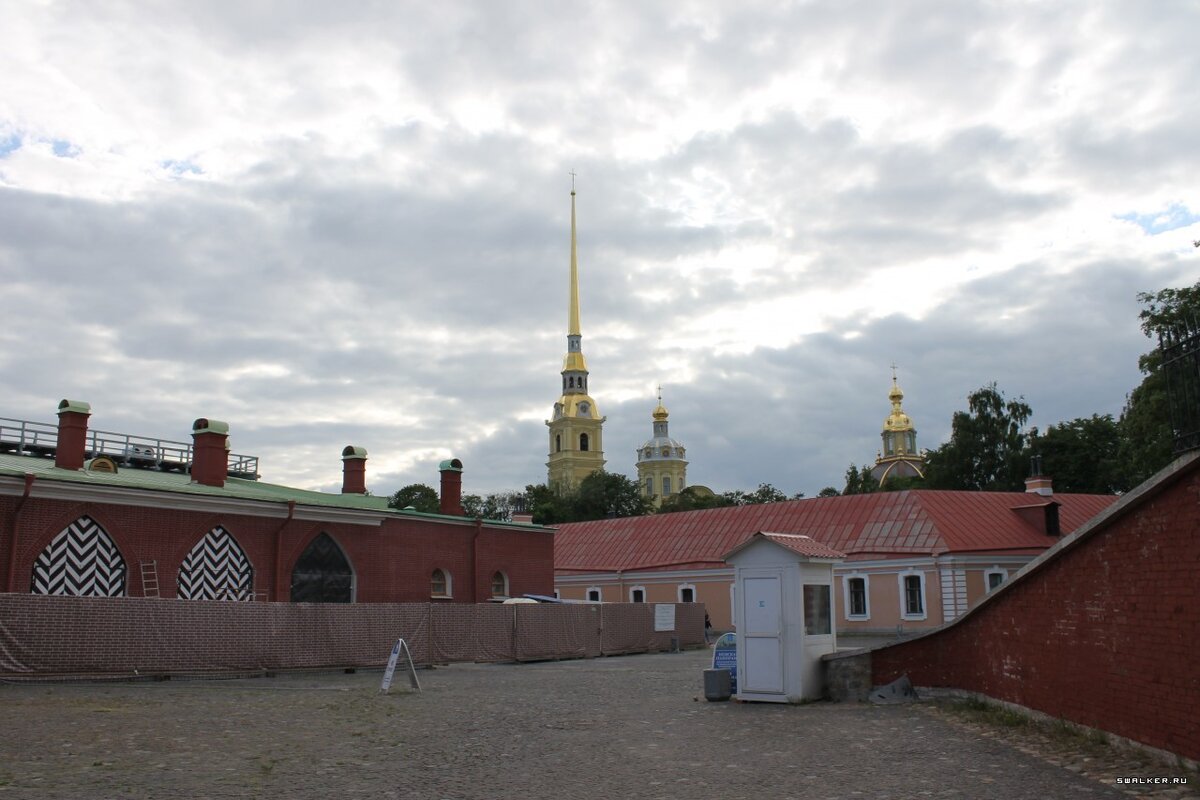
(661,468)
(576,447)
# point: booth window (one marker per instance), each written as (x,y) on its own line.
(637,594)
(593,594)
(856,598)
(817,618)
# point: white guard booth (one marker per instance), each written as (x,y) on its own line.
(783,611)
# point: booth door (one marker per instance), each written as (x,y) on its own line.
(762,599)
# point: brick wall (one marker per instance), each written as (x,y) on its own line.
(49,635)
(392,562)
(1103,634)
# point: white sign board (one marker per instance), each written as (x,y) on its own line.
(391,667)
(664,617)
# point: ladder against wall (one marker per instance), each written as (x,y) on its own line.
(149,578)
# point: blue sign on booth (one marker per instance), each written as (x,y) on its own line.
(725,657)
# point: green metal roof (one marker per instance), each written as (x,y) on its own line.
(234,488)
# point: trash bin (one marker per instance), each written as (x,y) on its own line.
(716,685)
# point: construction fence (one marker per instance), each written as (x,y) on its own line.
(47,636)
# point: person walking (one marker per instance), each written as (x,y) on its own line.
(707,628)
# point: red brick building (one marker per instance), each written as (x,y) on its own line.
(101,514)
(1099,630)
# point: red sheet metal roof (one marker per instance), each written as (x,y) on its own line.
(883,524)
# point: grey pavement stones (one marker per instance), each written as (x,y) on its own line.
(632,726)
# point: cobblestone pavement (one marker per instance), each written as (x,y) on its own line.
(634,726)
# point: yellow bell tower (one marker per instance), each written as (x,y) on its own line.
(661,468)
(576,447)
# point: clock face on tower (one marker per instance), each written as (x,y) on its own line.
(583,409)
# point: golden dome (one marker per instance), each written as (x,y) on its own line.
(660,411)
(897,420)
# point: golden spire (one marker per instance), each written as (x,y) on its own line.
(573,311)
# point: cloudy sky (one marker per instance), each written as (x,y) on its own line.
(348,223)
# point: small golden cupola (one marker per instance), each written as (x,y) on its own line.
(899,457)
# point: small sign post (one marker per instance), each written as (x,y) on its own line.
(401,645)
(725,657)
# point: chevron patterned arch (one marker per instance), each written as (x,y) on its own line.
(82,561)
(216,569)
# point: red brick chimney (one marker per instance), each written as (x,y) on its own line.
(354,470)
(72,434)
(1037,483)
(210,452)
(451,494)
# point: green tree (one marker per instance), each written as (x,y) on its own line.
(1081,455)
(828,491)
(607,494)
(986,450)
(548,506)
(859,480)
(417,495)
(599,495)
(692,499)
(765,493)
(498,506)
(1145,425)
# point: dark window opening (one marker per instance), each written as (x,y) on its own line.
(583,442)
(322,574)
(858,597)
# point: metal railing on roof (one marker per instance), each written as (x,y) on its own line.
(41,439)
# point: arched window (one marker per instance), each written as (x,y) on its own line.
(216,569)
(637,594)
(322,574)
(558,442)
(499,585)
(439,583)
(666,485)
(82,561)
(594,594)
(687,593)
(650,486)
(571,382)
(583,442)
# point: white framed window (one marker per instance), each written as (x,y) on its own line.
(594,594)
(637,594)
(666,485)
(650,486)
(499,585)
(993,577)
(856,596)
(912,595)
(686,593)
(441,584)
